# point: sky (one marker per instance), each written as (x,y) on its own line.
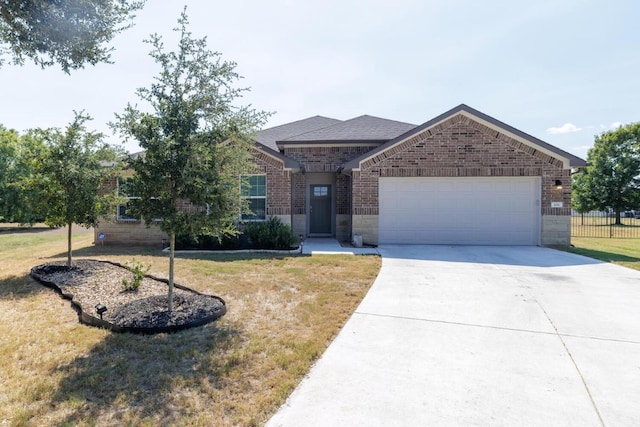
(561,71)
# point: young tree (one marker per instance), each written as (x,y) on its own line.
(612,179)
(70,176)
(196,142)
(70,32)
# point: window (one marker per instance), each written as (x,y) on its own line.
(320,191)
(254,191)
(124,190)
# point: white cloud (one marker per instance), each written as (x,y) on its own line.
(612,126)
(565,128)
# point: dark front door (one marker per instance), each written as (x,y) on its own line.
(320,209)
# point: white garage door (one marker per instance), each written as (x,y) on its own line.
(464,211)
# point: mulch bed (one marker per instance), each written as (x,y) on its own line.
(88,283)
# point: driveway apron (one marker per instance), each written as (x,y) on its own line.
(481,336)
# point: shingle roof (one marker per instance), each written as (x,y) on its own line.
(363,128)
(574,161)
(268,137)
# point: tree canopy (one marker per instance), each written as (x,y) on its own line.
(19,158)
(71,33)
(196,142)
(612,178)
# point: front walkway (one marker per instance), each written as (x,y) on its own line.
(330,246)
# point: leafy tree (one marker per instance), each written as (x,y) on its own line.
(195,140)
(9,145)
(70,32)
(19,157)
(612,178)
(70,176)
(581,200)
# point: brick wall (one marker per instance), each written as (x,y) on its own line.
(278,184)
(328,160)
(324,159)
(133,233)
(461,147)
(136,232)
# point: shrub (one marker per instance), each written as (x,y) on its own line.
(139,271)
(185,241)
(270,234)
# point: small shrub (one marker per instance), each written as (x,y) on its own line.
(139,271)
(270,234)
(185,241)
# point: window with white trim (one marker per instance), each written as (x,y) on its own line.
(254,191)
(124,190)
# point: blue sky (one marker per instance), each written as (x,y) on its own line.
(562,71)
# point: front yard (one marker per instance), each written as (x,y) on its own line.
(625,252)
(283,311)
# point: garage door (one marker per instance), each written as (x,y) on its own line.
(464,211)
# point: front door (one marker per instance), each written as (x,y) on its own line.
(320,209)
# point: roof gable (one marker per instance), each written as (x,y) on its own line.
(363,128)
(569,160)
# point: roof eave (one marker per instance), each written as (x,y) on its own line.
(288,164)
(569,160)
(330,142)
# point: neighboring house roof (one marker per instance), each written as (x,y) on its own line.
(268,137)
(360,129)
(569,159)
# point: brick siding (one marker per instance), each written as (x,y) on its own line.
(325,159)
(278,183)
(328,160)
(461,147)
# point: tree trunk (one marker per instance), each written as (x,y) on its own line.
(69,245)
(172,248)
(618,222)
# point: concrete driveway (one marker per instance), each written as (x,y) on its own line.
(482,336)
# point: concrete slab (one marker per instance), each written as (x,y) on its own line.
(611,371)
(497,336)
(330,246)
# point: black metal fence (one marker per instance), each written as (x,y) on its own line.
(603,224)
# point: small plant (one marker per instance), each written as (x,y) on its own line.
(139,271)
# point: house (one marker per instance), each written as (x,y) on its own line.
(460,178)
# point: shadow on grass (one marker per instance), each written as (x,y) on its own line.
(131,379)
(98,251)
(612,257)
(13,230)
(20,287)
(105,251)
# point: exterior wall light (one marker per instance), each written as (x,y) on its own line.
(558,185)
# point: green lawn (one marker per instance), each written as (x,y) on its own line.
(624,252)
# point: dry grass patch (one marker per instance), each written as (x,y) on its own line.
(283,311)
